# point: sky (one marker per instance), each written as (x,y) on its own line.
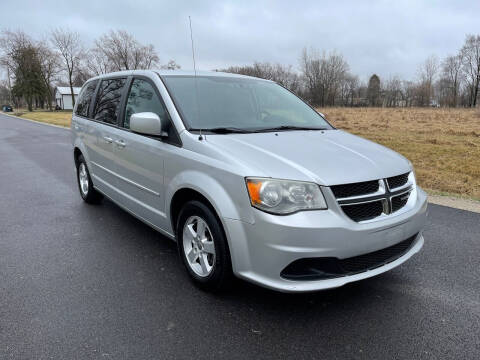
(384,37)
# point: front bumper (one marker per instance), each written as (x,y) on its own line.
(260,251)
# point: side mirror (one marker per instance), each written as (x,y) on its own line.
(147,123)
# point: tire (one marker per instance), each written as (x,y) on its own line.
(208,271)
(85,185)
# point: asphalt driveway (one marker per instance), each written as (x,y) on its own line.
(81,282)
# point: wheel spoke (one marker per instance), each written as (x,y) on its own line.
(192,256)
(189,232)
(204,263)
(208,247)
(201,228)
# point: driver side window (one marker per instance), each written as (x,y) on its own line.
(142,98)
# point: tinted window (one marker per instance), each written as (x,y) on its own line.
(143,98)
(108,100)
(85,99)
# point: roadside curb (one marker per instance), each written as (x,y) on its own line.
(456,203)
(35,121)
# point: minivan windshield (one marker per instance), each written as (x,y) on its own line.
(237,105)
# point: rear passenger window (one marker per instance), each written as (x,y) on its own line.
(142,98)
(85,99)
(108,100)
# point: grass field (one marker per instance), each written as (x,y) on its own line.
(442,144)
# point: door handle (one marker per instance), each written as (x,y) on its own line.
(108,139)
(120,143)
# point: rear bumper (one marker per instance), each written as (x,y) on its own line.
(260,251)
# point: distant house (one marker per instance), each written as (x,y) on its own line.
(63,97)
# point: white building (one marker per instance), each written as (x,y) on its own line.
(63,97)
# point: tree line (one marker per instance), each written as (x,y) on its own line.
(35,67)
(325,79)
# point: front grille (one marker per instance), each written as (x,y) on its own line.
(397,181)
(364,211)
(330,267)
(355,189)
(399,201)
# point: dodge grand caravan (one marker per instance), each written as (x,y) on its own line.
(248,179)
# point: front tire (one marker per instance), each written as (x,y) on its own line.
(85,185)
(203,247)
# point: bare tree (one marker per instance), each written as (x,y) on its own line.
(427,73)
(449,83)
(470,53)
(119,50)
(50,66)
(393,92)
(70,47)
(282,74)
(323,75)
(97,62)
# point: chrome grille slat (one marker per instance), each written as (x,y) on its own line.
(368,200)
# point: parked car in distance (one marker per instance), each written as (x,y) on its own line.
(248,179)
(7,108)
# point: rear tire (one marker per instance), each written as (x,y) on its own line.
(203,247)
(85,185)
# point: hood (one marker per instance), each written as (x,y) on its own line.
(326,157)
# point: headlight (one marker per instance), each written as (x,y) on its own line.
(284,196)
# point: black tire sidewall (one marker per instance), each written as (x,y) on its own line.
(92,196)
(221,274)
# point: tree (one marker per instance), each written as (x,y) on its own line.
(373,91)
(427,73)
(323,75)
(70,48)
(449,84)
(119,50)
(49,69)
(22,59)
(98,62)
(171,65)
(281,74)
(470,53)
(28,79)
(393,92)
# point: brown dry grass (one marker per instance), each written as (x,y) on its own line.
(442,144)
(60,118)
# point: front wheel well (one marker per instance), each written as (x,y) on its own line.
(180,198)
(76,155)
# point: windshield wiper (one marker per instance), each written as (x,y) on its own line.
(225,130)
(290,127)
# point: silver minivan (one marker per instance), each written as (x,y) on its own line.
(248,179)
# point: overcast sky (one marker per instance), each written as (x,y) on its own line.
(383,37)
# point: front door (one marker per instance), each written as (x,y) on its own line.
(140,159)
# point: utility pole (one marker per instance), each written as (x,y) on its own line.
(9,86)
